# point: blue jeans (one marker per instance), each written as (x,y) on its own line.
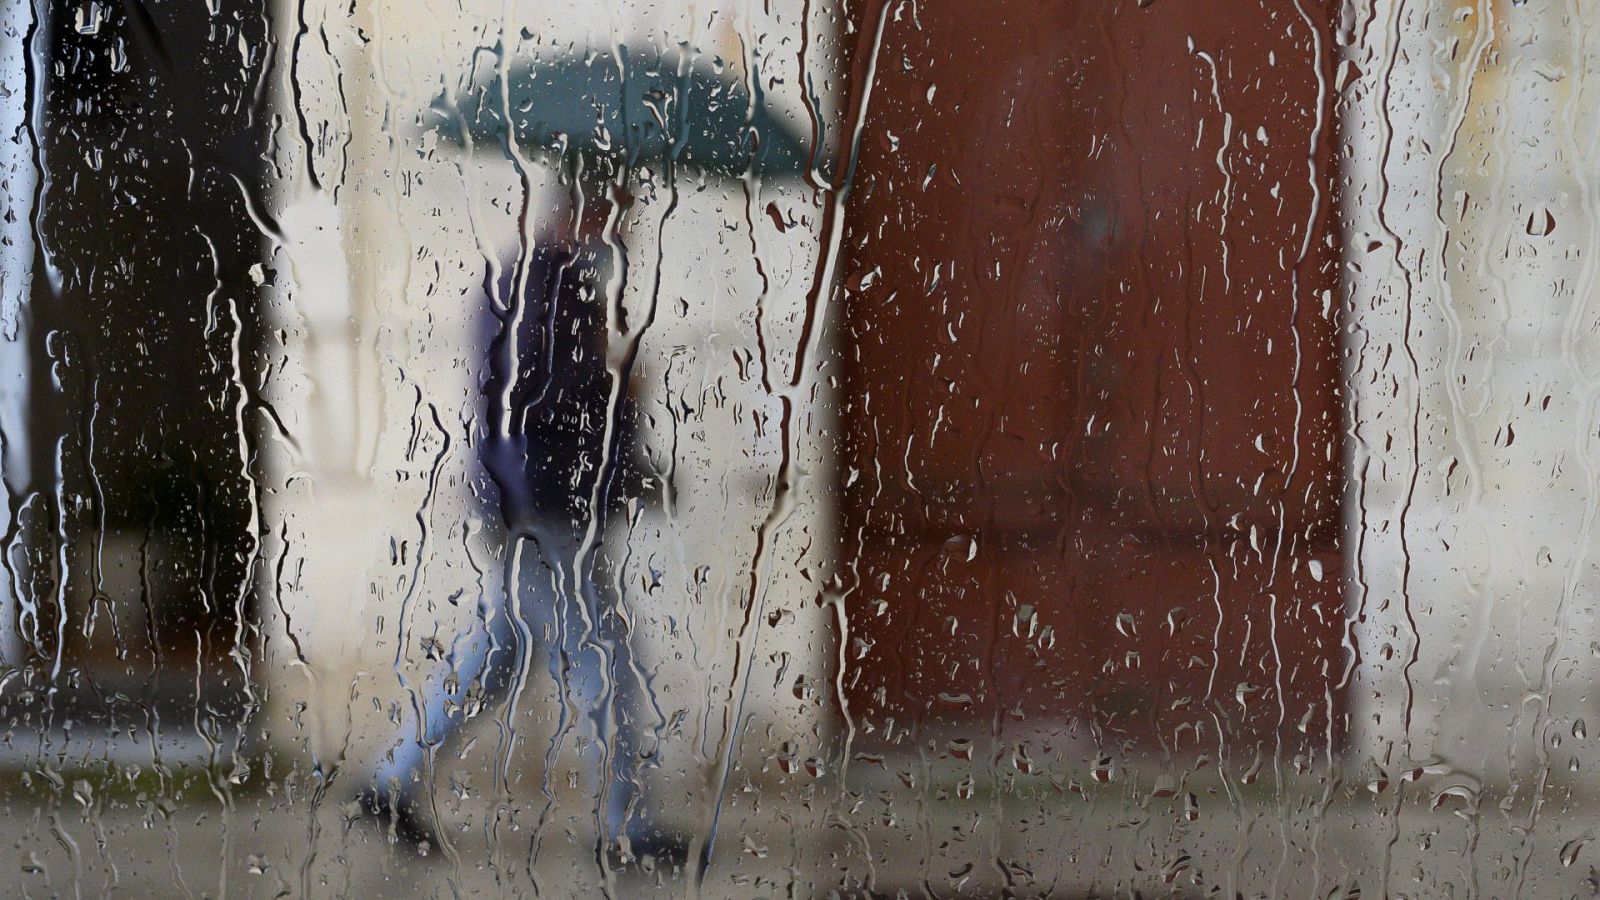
(570,623)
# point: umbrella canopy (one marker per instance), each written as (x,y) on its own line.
(650,109)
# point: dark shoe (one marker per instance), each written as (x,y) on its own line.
(408,825)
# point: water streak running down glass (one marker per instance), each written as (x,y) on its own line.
(855,448)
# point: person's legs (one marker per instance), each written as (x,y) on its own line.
(587,659)
(567,618)
(439,705)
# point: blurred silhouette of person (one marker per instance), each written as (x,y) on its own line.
(558,442)
(558,449)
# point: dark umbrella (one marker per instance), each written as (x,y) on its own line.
(653,108)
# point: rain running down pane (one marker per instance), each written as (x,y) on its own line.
(856,448)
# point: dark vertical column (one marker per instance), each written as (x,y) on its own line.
(135,539)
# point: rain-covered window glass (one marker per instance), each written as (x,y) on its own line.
(858,448)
